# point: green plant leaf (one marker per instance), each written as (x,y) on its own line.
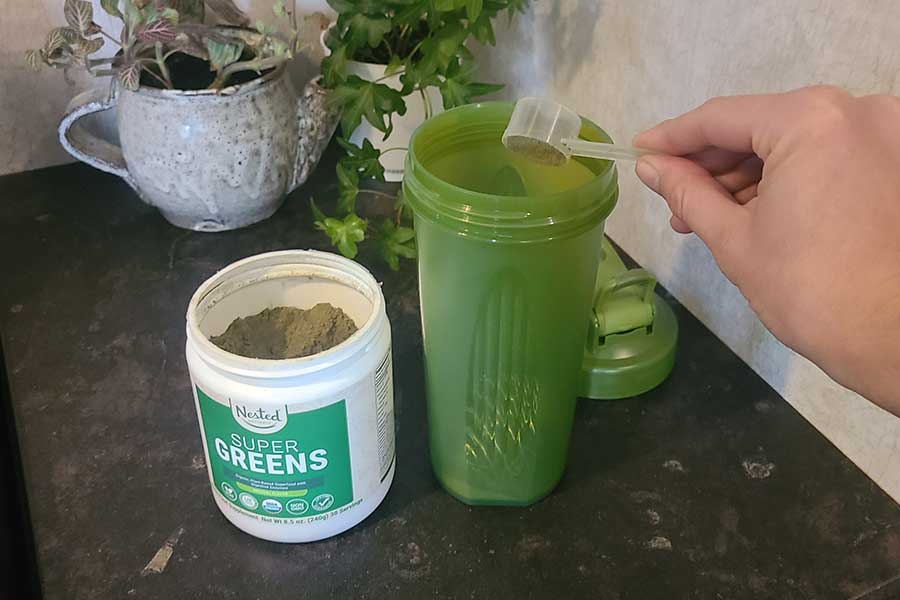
(473,9)
(395,64)
(130,76)
(362,159)
(79,14)
(412,14)
(160,30)
(133,18)
(318,215)
(348,188)
(416,76)
(394,242)
(222,54)
(278,9)
(87,46)
(342,6)
(483,29)
(449,5)
(376,102)
(111,7)
(189,11)
(333,66)
(34,59)
(458,89)
(367,30)
(265,29)
(439,50)
(59,37)
(170,14)
(344,233)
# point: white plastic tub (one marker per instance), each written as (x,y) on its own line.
(301,449)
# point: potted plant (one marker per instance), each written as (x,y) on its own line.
(392,64)
(210,130)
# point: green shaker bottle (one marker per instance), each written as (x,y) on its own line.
(508,257)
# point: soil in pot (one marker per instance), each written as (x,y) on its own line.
(192,73)
(287,332)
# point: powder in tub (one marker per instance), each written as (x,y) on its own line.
(287,332)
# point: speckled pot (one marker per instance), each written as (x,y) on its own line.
(208,160)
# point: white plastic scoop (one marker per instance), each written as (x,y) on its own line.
(547,132)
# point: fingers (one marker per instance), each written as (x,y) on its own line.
(745,174)
(747,194)
(718,161)
(700,204)
(679,225)
(732,123)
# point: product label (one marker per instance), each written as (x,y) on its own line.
(384,415)
(276,463)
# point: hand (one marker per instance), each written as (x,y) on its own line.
(797,196)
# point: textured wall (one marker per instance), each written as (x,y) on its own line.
(630,63)
(30,103)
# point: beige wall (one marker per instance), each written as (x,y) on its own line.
(30,103)
(630,63)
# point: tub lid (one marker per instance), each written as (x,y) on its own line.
(633,333)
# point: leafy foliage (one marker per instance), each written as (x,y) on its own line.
(394,241)
(360,98)
(344,233)
(363,160)
(222,54)
(153,30)
(79,15)
(422,42)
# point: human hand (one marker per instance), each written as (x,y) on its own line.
(797,196)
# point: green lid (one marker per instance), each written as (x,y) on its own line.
(633,333)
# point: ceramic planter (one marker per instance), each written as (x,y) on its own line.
(209,160)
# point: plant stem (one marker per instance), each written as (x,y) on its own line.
(416,47)
(161,63)
(111,38)
(383,152)
(377,193)
(395,74)
(427,101)
(246,65)
(147,69)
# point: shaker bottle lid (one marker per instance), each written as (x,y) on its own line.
(633,333)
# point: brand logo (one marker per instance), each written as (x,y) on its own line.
(259,419)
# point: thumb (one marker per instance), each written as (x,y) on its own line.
(700,203)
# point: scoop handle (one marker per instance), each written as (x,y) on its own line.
(601,150)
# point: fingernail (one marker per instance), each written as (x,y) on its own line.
(647,173)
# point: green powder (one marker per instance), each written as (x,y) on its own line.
(536,150)
(287,332)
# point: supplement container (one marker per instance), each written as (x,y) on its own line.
(300,449)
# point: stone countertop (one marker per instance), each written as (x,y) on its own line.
(710,486)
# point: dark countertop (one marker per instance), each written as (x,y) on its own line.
(710,486)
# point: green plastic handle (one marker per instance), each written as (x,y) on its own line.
(632,277)
(615,312)
(641,353)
